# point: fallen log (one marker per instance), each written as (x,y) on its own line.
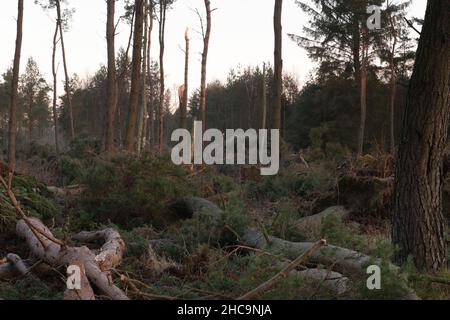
(315,220)
(343,260)
(56,255)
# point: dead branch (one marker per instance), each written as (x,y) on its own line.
(283,273)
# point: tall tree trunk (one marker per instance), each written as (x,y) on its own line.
(66,72)
(393,85)
(363,99)
(206,37)
(112,89)
(144,111)
(264,99)
(14,90)
(162,31)
(148,117)
(55,89)
(418,221)
(278,63)
(135,76)
(183,121)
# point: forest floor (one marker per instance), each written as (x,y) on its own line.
(172,255)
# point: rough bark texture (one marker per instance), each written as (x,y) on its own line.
(418,222)
(66,72)
(363,99)
(14,91)
(135,75)
(112,88)
(95,266)
(278,63)
(206,37)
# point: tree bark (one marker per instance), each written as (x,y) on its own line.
(66,72)
(136,75)
(112,86)
(14,91)
(418,220)
(206,37)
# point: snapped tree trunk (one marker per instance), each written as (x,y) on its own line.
(14,91)
(418,221)
(112,89)
(278,63)
(206,37)
(135,75)
(66,72)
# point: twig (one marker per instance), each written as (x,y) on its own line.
(284,273)
(412,26)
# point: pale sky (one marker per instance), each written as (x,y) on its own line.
(242,34)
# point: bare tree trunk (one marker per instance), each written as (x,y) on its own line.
(162,31)
(393,86)
(278,64)
(111,99)
(184,103)
(143,111)
(55,89)
(363,100)
(66,72)
(14,91)
(206,37)
(418,221)
(264,99)
(149,115)
(135,76)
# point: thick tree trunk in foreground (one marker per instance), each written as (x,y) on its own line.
(111,91)
(206,37)
(278,63)
(418,220)
(14,91)
(66,72)
(135,75)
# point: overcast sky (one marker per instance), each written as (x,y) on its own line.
(242,34)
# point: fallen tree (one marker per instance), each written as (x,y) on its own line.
(342,260)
